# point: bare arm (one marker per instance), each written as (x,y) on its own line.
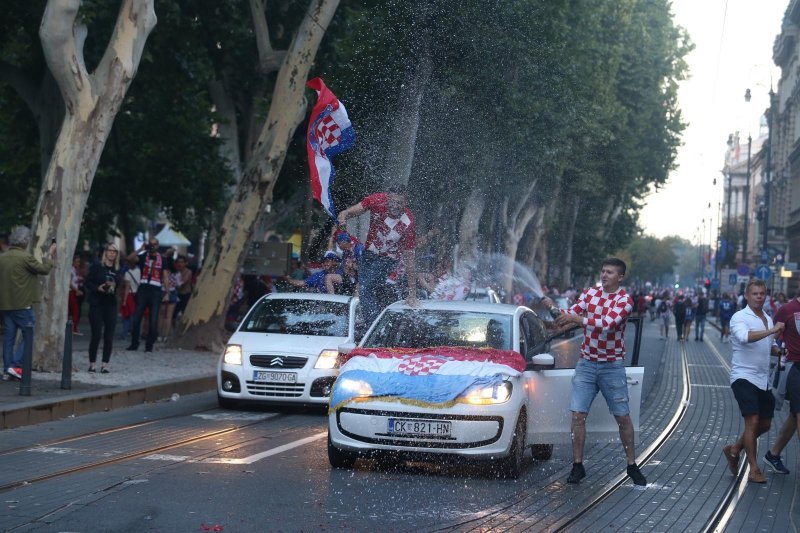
(352,211)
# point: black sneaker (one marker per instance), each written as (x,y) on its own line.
(636,475)
(774,461)
(132,348)
(577,474)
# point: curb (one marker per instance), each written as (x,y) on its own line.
(47,410)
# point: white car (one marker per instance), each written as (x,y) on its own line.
(284,352)
(380,407)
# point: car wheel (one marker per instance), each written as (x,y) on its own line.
(542,452)
(227,403)
(511,467)
(340,458)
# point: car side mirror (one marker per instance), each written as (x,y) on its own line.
(542,361)
(347,347)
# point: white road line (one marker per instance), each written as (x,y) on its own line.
(257,457)
(229,415)
(239,461)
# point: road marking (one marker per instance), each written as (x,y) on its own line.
(257,457)
(57,451)
(239,461)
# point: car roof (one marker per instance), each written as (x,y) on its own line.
(470,306)
(341,298)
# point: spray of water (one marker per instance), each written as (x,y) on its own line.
(489,269)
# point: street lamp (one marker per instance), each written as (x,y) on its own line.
(747,185)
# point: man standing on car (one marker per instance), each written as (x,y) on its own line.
(602,312)
(751,338)
(391,238)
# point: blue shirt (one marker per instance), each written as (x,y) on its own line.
(317,280)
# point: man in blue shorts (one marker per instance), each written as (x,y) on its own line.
(751,334)
(726,309)
(602,312)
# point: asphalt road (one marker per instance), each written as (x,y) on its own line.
(202,468)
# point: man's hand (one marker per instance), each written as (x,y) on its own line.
(52,250)
(547,302)
(569,320)
(778,327)
(341,218)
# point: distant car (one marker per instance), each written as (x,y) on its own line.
(285,350)
(483,294)
(462,379)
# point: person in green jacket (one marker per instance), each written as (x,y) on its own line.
(19,290)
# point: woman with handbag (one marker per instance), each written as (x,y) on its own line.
(101,287)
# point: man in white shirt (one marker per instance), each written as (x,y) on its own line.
(751,339)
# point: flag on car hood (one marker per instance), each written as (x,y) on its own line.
(329,133)
(433,377)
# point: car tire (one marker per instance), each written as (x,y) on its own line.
(227,403)
(511,467)
(340,458)
(542,452)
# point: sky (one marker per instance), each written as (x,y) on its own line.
(733,52)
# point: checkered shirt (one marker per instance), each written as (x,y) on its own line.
(388,236)
(604,318)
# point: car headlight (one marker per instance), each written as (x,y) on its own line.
(233,354)
(355,386)
(327,359)
(488,395)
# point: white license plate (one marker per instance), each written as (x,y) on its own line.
(279,377)
(414,427)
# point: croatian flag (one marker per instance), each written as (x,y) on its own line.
(433,377)
(329,133)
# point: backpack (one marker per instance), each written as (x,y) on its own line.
(662,307)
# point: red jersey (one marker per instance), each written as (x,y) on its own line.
(605,315)
(388,236)
(789,314)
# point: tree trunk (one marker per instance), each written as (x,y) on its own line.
(202,323)
(470,224)
(569,239)
(91,102)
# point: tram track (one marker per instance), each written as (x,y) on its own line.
(662,439)
(143,452)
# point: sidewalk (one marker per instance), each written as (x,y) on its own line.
(135,378)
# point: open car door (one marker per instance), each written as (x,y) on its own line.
(550,390)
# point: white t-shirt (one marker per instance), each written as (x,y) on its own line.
(133,277)
(750,360)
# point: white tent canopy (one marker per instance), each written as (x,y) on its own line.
(170,237)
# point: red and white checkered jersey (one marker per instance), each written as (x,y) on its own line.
(604,317)
(388,236)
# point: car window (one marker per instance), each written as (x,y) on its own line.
(535,330)
(298,317)
(421,328)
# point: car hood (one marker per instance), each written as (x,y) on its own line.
(291,344)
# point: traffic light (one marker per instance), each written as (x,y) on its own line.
(707,283)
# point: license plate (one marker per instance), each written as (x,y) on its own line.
(419,428)
(279,377)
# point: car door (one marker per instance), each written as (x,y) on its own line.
(549,392)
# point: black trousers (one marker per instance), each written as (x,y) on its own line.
(147,297)
(103,321)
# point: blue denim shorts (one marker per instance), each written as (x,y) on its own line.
(593,377)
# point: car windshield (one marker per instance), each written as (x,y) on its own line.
(420,328)
(298,317)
